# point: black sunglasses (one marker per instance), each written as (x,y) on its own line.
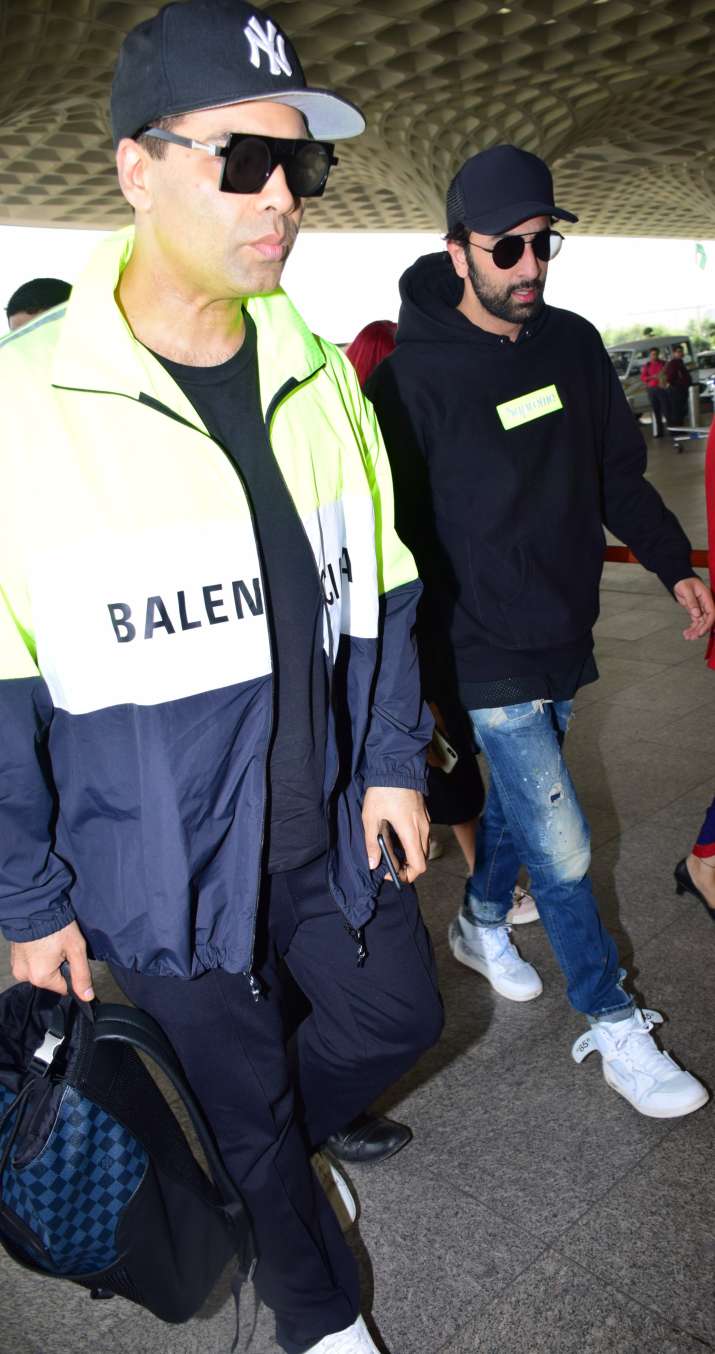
(507,251)
(250,158)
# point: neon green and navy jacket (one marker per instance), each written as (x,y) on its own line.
(136,691)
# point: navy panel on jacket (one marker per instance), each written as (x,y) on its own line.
(165,872)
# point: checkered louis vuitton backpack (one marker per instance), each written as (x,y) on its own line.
(98,1183)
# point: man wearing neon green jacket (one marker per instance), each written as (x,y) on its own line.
(210,697)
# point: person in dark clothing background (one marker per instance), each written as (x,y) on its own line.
(34,298)
(677,384)
(511,444)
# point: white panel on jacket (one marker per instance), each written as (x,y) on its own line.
(342,535)
(149,617)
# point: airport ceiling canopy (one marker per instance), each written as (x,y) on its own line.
(615,94)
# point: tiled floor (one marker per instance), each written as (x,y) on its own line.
(535,1211)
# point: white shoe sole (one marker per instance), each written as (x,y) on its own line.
(335,1186)
(652,1113)
(462,952)
(356,1338)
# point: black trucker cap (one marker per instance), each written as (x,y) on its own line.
(499,188)
(208,53)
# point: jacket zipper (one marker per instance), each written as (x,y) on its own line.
(254,983)
(292,384)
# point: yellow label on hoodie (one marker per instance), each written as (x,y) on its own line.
(528,407)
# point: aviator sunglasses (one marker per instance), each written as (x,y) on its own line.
(507,251)
(249,159)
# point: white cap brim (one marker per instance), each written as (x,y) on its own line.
(329,117)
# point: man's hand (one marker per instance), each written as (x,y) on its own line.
(38,962)
(697,599)
(405,812)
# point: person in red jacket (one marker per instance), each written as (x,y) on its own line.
(650,376)
(696,874)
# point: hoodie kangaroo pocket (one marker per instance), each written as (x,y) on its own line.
(536,596)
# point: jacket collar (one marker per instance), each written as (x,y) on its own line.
(97,350)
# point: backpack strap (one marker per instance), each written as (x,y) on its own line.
(129,1025)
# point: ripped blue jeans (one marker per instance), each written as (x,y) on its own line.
(532,817)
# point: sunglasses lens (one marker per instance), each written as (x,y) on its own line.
(508,251)
(541,245)
(546,245)
(307,169)
(248,165)
(252,159)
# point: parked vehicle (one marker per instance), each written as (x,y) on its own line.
(706,374)
(628,358)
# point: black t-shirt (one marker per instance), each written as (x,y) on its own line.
(227,400)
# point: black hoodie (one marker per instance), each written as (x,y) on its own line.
(506,524)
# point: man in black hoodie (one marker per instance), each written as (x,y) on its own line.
(511,445)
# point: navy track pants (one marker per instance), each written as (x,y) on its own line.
(269,1109)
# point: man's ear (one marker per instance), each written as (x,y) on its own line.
(459,258)
(134,173)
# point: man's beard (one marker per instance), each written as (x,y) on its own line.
(500,302)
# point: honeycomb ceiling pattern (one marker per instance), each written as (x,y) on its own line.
(613,93)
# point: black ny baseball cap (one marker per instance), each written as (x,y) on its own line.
(499,188)
(209,53)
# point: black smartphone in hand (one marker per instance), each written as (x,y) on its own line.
(391,868)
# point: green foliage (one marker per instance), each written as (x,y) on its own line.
(633,331)
(700,331)
(702,334)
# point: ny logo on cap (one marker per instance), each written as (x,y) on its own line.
(270,41)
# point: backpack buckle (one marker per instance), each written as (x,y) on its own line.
(43,1057)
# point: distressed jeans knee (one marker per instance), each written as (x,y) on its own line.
(565,836)
(532,818)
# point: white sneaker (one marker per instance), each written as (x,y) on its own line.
(523,908)
(634,1066)
(355,1340)
(436,850)
(489,950)
(339,1194)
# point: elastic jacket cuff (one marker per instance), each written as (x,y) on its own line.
(393,780)
(40,924)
